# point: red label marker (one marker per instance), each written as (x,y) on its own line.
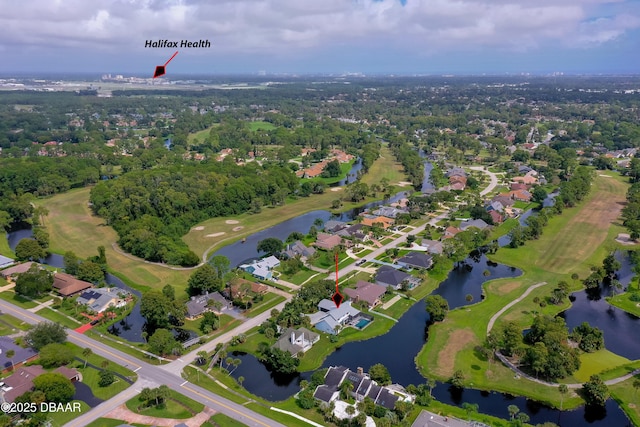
(160,69)
(337,297)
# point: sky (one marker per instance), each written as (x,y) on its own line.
(323,36)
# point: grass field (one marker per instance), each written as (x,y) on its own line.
(59,419)
(10,325)
(73,227)
(260,125)
(571,243)
(4,246)
(221,420)
(197,138)
(597,362)
(16,299)
(385,166)
(176,406)
(628,398)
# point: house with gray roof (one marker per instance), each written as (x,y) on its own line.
(433,246)
(197,306)
(416,260)
(477,223)
(333,226)
(20,356)
(99,299)
(261,268)
(331,319)
(298,248)
(388,212)
(392,277)
(6,262)
(296,341)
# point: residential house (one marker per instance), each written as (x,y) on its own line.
(495,206)
(363,387)
(418,260)
(515,186)
(477,223)
(197,306)
(100,299)
(455,172)
(5,262)
(331,319)
(20,356)
(450,231)
(298,248)
(391,277)
(496,216)
(504,200)
(382,221)
(433,246)
(67,285)
(355,231)
(296,341)
(528,179)
(13,272)
(367,292)
(70,374)
(389,212)
(261,268)
(328,241)
(520,195)
(239,286)
(20,382)
(332,226)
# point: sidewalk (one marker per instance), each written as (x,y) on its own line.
(124,414)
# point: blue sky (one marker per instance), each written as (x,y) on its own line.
(328,36)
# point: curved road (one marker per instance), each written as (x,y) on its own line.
(148,376)
(492,176)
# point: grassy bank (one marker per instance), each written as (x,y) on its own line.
(4,246)
(387,167)
(571,243)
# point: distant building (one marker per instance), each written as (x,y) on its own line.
(20,382)
(296,341)
(433,246)
(237,285)
(328,241)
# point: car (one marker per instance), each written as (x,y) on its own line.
(95,322)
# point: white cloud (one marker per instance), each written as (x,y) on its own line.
(289,26)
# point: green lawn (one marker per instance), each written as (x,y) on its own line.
(596,363)
(16,299)
(61,418)
(326,260)
(344,170)
(571,243)
(387,167)
(97,360)
(105,422)
(270,300)
(10,324)
(4,246)
(260,125)
(91,377)
(176,406)
(221,420)
(57,317)
(397,309)
(627,397)
(299,277)
(199,137)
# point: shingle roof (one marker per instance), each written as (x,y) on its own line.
(478,223)
(366,291)
(67,285)
(417,259)
(391,276)
(16,269)
(20,354)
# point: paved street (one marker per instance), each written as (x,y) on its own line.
(148,376)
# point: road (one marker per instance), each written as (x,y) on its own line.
(148,376)
(492,176)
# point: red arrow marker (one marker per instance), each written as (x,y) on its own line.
(160,69)
(337,297)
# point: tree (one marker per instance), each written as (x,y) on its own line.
(437,307)
(513,411)
(204,279)
(270,245)
(611,265)
(169,292)
(589,339)
(162,342)
(280,361)
(595,391)
(90,271)
(202,357)
(41,236)
(220,264)
(56,387)
(345,389)
(10,355)
(86,352)
(538,194)
(457,380)
(240,380)
(29,250)
(106,378)
(563,389)
(470,408)
(159,310)
(210,322)
(296,235)
(54,355)
(350,410)
(332,169)
(380,374)
(45,333)
(71,263)
(34,282)
(5,220)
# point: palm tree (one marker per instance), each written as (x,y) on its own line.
(228,361)
(144,336)
(104,363)
(345,389)
(236,363)
(10,354)
(240,380)
(563,389)
(86,353)
(162,393)
(221,356)
(202,357)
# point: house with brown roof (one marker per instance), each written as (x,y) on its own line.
(367,292)
(518,186)
(70,374)
(238,287)
(496,216)
(383,221)
(528,179)
(20,382)
(450,231)
(12,272)
(520,195)
(67,285)
(328,241)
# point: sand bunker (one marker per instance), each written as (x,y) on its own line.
(336,189)
(238,228)
(403,183)
(215,234)
(625,239)
(200,228)
(232,221)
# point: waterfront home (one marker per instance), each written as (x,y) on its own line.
(328,241)
(391,277)
(333,226)
(262,268)
(99,299)
(433,246)
(419,260)
(239,287)
(296,341)
(382,221)
(367,292)
(331,319)
(477,223)
(67,285)
(197,306)
(298,248)
(450,231)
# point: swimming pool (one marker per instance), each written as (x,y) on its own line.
(362,323)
